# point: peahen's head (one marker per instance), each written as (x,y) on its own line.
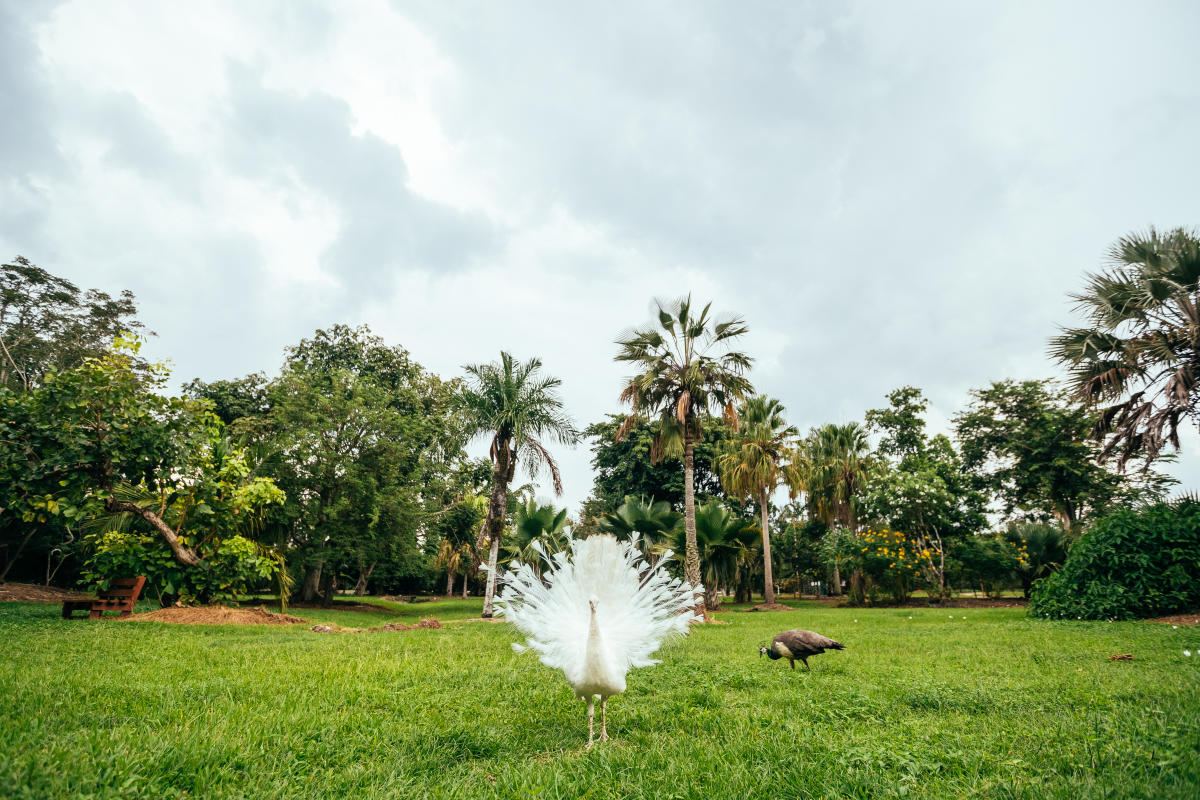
(762,651)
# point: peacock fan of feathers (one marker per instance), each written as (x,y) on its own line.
(637,605)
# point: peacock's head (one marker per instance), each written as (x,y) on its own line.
(762,651)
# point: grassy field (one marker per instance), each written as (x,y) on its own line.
(922,703)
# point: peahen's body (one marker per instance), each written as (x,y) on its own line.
(598,611)
(798,644)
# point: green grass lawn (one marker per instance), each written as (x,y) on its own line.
(922,703)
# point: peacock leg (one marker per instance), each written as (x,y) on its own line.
(591,701)
(604,719)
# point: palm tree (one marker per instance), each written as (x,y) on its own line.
(723,538)
(1142,352)
(652,521)
(453,557)
(686,372)
(761,458)
(519,408)
(837,465)
(537,526)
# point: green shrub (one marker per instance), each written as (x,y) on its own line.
(231,569)
(989,562)
(1132,563)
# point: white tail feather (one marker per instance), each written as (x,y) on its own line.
(638,605)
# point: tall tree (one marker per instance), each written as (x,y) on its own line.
(760,459)
(686,372)
(48,325)
(1142,352)
(362,438)
(624,469)
(1033,451)
(98,440)
(518,407)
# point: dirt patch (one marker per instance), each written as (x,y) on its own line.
(391,626)
(215,615)
(1179,619)
(771,607)
(32,593)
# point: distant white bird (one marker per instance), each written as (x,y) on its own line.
(598,610)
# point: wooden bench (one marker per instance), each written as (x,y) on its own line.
(121,595)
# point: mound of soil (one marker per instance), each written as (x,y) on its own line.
(215,615)
(32,593)
(1179,619)
(391,626)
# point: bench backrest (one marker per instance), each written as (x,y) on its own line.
(123,589)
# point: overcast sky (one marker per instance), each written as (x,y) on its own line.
(889,193)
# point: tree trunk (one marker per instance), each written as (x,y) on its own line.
(691,561)
(330,589)
(466,585)
(13,558)
(712,599)
(768,578)
(449,583)
(184,555)
(497,508)
(837,580)
(364,575)
(312,582)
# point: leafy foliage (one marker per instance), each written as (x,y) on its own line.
(1034,452)
(725,541)
(652,521)
(623,467)
(886,560)
(48,325)
(1130,563)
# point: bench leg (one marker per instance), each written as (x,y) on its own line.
(94,615)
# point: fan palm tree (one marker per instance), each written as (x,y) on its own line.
(838,463)
(722,538)
(518,407)
(653,522)
(537,526)
(759,461)
(686,371)
(1142,352)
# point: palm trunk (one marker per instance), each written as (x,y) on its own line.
(837,580)
(466,585)
(691,561)
(768,578)
(449,582)
(497,506)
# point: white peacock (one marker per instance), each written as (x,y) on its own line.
(597,611)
